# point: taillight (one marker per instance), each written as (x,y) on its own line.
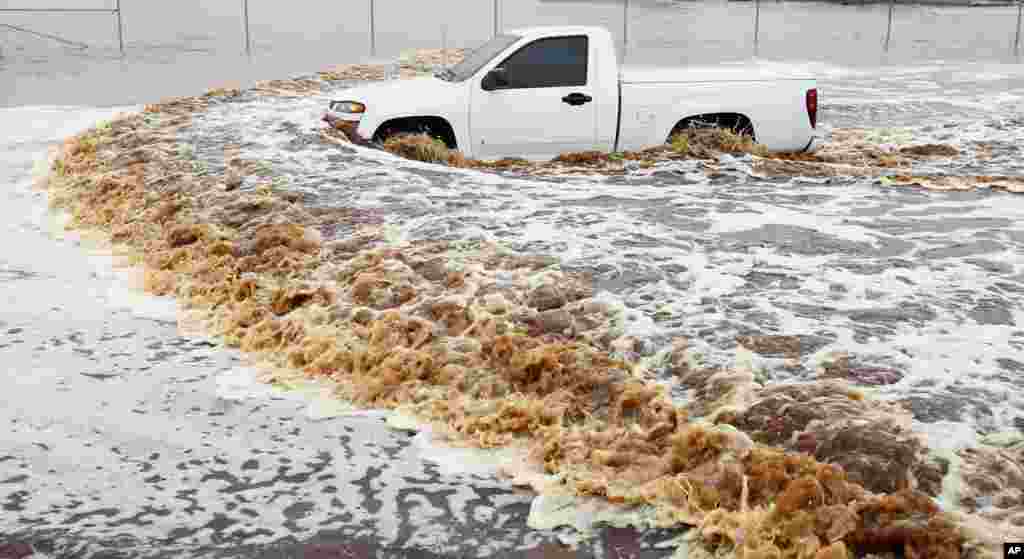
(812,107)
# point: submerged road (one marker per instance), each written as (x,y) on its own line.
(124,438)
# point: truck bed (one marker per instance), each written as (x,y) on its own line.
(740,72)
(654,101)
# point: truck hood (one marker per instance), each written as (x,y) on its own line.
(409,93)
(738,72)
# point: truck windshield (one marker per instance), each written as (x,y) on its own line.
(478,58)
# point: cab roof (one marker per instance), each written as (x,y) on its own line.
(559,30)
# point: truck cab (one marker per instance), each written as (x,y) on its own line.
(546,95)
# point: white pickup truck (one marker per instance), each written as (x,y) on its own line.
(536,93)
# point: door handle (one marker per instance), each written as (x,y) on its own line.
(577,99)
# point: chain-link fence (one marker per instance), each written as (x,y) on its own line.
(752,27)
(690,31)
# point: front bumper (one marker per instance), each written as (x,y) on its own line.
(347,123)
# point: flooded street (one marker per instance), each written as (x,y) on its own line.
(125,437)
(922,285)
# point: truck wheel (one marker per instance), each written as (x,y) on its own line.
(434,127)
(738,123)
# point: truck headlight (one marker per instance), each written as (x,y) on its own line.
(350,107)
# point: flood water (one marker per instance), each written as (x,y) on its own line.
(118,440)
(924,284)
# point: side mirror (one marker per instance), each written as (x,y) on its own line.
(495,79)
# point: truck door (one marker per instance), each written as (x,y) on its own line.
(545,104)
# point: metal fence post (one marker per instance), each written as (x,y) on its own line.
(373,30)
(248,37)
(120,28)
(757,26)
(625,29)
(888,32)
(1020,12)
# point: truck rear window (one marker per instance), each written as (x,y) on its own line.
(554,62)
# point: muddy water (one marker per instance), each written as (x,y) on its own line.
(125,437)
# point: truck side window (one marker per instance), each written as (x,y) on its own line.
(554,62)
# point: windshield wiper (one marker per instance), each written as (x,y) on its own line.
(447,75)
